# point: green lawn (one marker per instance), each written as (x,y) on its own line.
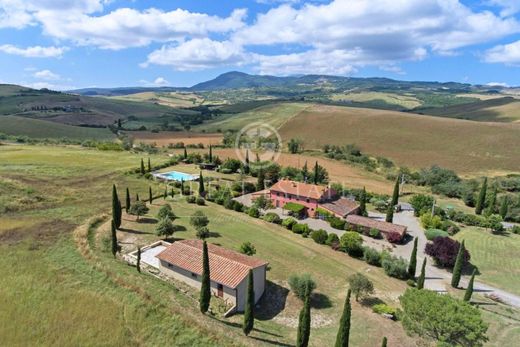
(496,256)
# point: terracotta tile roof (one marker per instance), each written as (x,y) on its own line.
(227,267)
(298,188)
(384,227)
(341,207)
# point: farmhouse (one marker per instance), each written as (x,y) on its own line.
(311,197)
(182,260)
(389,230)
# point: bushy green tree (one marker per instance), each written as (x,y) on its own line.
(360,285)
(457,268)
(442,318)
(164,227)
(205,289)
(412,264)
(166,212)
(301,285)
(247,248)
(138,209)
(249,314)
(342,338)
(481,201)
(352,243)
(199,220)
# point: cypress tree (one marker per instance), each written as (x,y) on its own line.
(249,318)
(119,212)
(305,172)
(138,264)
(491,205)
(363,203)
(137,197)
(172,192)
(316,173)
(210,154)
(113,235)
(304,322)
(260,184)
(422,276)
(185,155)
(150,196)
(205,289)
(201,184)
(344,324)
(395,194)
(165,192)
(390,214)
(383,344)
(182,187)
(149,165)
(116,208)
(504,206)
(481,202)
(127,202)
(469,289)
(142,167)
(457,269)
(413,260)
(246,166)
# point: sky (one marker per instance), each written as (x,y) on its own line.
(69,44)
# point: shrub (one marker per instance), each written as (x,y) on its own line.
(289,222)
(374,233)
(300,283)
(229,203)
(360,285)
(410,282)
(444,251)
(166,212)
(515,229)
(202,233)
(247,248)
(199,220)
(299,228)
(253,212)
(164,227)
(272,217)
(431,222)
(394,266)
(319,236)
(337,223)
(372,256)
(191,199)
(450,227)
(421,203)
(332,239)
(351,242)
(238,206)
(200,201)
(384,309)
(433,233)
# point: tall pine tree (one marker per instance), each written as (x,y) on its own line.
(205,289)
(383,344)
(127,202)
(149,165)
(469,289)
(138,264)
(142,167)
(201,184)
(481,202)
(422,276)
(316,175)
(457,269)
(210,154)
(395,194)
(413,260)
(113,235)
(504,206)
(150,195)
(249,314)
(260,184)
(304,322)
(185,154)
(172,192)
(137,197)
(363,203)
(344,324)
(165,192)
(116,208)
(492,201)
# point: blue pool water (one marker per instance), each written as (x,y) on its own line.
(177,176)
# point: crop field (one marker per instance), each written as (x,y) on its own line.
(503,109)
(36,128)
(273,114)
(164,138)
(411,140)
(405,101)
(166,99)
(496,257)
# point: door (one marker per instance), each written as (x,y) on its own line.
(220,290)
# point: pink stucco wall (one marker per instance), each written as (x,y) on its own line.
(279,199)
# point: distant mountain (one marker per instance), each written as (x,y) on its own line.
(118,91)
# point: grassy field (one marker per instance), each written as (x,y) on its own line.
(411,140)
(166,99)
(273,114)
(502,109)
(164,138)
(36,128)
(496,257)
(405,101)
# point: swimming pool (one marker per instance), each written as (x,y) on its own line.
(176,176)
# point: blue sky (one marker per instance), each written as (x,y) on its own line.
(66,44)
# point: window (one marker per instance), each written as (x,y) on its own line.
(194,275)
(308,200)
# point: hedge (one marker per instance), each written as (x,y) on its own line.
(433,233)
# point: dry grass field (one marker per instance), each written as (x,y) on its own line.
(411,140)
(166,99)
(406,101)
(164,138)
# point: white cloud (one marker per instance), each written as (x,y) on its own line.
(160,81)
(34,51)
(509,7)
(46,75)
(198,54)
(508,54)
(127,27)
